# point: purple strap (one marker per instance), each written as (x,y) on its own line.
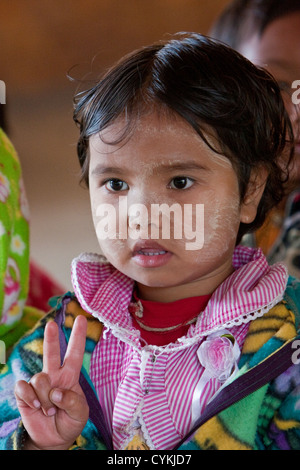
(95,411)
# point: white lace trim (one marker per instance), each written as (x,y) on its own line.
(145,432)
(89,257)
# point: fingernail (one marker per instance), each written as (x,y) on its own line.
(56,396)
(51,412)
(36,403)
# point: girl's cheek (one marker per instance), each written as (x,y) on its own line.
(116,253)
(112,248)
(221,224)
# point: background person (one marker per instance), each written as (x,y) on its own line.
(267,32)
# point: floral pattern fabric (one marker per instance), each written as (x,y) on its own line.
(14,238)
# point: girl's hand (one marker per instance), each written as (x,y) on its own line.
(53,406)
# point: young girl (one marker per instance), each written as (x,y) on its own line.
(185,333)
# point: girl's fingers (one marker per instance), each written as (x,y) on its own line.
(26,395)
(72,403)
(36,393)
(41,385)
(76,347)
(75,350)
(51,348)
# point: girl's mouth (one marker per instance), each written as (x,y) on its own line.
(150,254)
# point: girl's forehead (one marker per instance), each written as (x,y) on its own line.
(149,122)
(156,138)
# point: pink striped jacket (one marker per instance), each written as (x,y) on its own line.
(157,392)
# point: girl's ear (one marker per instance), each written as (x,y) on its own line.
(256,187)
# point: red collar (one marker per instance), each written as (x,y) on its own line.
(161,323)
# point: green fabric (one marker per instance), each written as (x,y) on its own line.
(14,245)
(249,408)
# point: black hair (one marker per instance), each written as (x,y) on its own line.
(212,87)
(242,19)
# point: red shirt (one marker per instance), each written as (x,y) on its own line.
(161,323)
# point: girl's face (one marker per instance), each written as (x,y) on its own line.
(165,167)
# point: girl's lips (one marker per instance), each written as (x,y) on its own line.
(150,254)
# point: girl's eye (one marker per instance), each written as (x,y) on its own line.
(181,182)
(115,184)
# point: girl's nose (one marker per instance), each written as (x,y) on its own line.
(139,220)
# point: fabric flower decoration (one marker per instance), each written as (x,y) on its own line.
(17,245)
(218,355)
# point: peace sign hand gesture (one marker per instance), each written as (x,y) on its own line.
(53,406)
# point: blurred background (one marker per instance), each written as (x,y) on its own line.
(41,42)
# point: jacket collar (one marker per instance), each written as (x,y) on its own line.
(252,290)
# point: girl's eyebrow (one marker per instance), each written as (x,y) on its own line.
(188,165)
(101,169)
(105,170)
